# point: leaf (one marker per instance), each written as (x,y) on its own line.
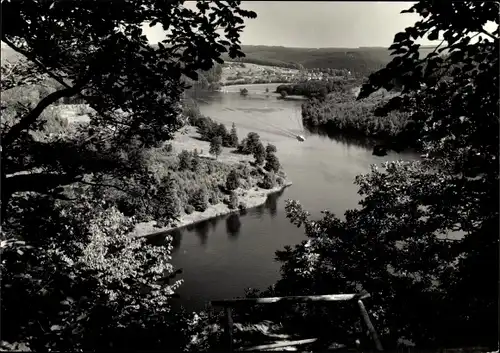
(401,36)
(433,35)
(55,328)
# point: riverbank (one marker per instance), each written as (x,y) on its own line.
(251,198)
(249,193)
(294,98)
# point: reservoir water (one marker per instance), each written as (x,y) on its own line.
(221,257)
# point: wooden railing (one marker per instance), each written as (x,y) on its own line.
(228,304)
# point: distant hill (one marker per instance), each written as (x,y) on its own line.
(360,60)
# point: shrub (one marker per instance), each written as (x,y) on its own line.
(189,209)
(195,162)
(233,200)
(232,180)
(259,154)
(184,160)
(269,181)
(167,148)
(233,137)
(199,199)
(214,198)
(216,146)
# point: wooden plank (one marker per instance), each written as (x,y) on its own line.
(293,299)
(371,328)
(279,345)
(228,329)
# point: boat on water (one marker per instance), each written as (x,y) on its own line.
(300,138)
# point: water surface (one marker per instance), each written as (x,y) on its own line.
(223,256)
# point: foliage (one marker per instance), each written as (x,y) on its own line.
(86,282)
(169,199)
(314,88)
(189,209)
(233,200)
(233,180)
(269,181)
(196,162)
(243,92)
(342,113)
(184,160)
(402,244)
(249,144)
(272,163)
(259,154)
(267,62)
(216,146)
(199,199)
(82,282)
(270,148)
(359,61)
(207,79)
(233,140)
(209,129)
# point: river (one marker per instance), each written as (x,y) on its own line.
(221,257)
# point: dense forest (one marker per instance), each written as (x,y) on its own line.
(341,113)
(317,88)
(269,62)
(360,61)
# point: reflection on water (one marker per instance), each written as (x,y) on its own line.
(233,225)
(272,203)
(233,222)
(349,141)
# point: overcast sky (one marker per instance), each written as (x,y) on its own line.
(314,24)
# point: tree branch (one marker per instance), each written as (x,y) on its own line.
(50,73)
(37,182)
(32,116)
(36,61)
(483,31)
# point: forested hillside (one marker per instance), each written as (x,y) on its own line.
(358,60)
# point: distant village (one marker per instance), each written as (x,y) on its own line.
(237,73)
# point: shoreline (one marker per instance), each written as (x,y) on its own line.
(252,198)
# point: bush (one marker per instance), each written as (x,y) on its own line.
(232,180)
(242,206)
(195,162)
(233,200)
(272,163)
(259,154)
(167,148)
(184,160)
(189,209)
(269,181)
(199,199)
(244,171)
(214,198)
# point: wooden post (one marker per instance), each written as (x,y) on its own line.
(371,328)
(228,328)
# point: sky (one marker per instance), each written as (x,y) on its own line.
(319,24)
